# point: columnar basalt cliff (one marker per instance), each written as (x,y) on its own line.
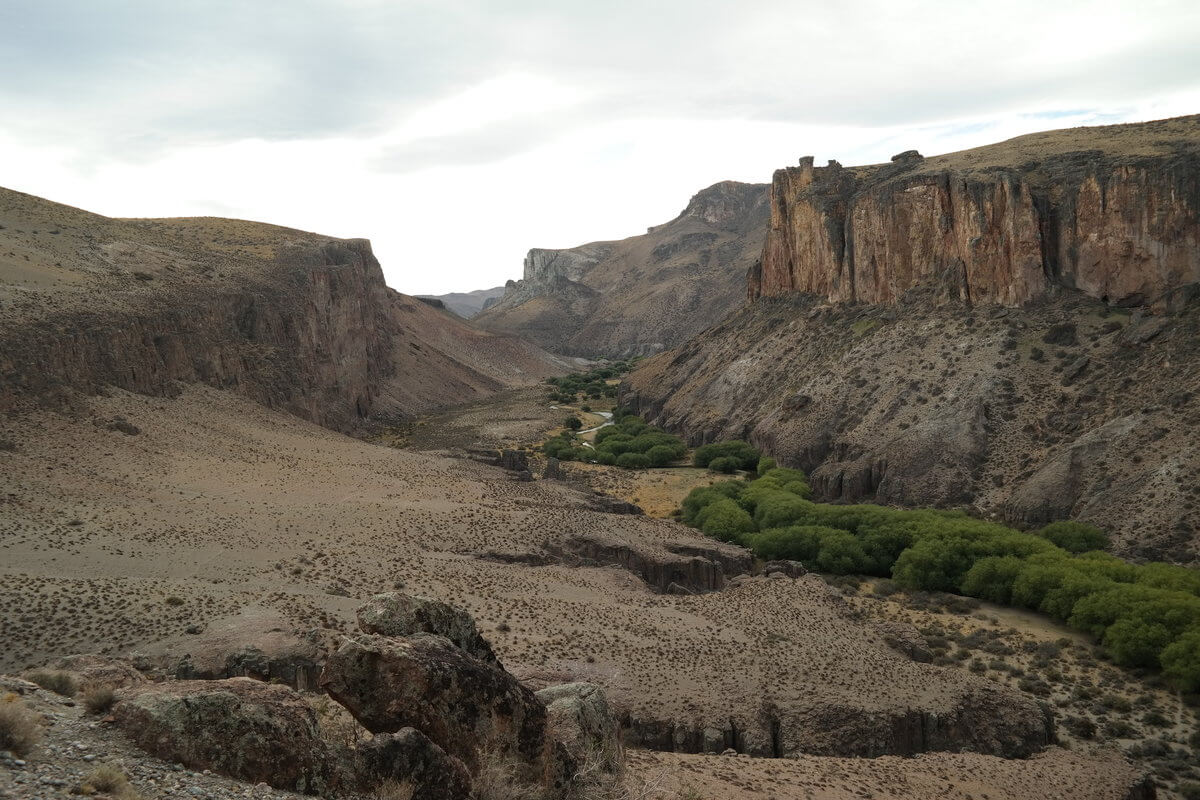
(1113,212)
(642,294)
(1012,329)
(294,320)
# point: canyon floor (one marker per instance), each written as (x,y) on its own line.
(179,530)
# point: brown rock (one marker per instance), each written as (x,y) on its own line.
(462,704)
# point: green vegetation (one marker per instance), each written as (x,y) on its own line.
(726,457)
(1146,615)
(590,385)
(629,443)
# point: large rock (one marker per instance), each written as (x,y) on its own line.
(463,704)
(238,727)
(97,670)
(582,720)
(399,614)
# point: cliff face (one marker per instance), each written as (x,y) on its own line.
(1098,210)
(642,294)
(990,357)
(294,320)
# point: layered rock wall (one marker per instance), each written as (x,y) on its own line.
(1122,228)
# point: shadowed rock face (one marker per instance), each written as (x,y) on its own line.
(1112,217)
(687,568)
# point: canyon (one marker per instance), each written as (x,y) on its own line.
(643,294)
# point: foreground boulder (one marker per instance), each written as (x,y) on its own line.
(583,722)
(238,727)
(465,705)
(399,614)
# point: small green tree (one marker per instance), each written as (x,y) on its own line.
(633,461)
(1135,642)
(724,464)
(992,578)
(1181,661)
(726,520)
(662,454)
(573,423)
(1075,537)
(765,464)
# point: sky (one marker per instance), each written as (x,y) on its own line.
(457,134)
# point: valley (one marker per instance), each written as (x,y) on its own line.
(696,514)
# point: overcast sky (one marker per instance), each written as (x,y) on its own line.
(456,134)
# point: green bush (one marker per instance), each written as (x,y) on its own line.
(726,465)
(765,465)
(662,454)
(633,461)
(992,578)
(1181,661)
(573,423)
(725,520)
(745,455)
(1075,537)
(605,457)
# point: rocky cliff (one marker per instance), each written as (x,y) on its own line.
(294,320)
(1011,329)
(642,294)
(1111,211)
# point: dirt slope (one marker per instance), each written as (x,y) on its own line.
(643,294)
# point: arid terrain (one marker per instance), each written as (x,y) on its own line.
(301,530)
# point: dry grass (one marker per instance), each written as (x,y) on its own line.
(20,726)
(99,699)
(58,682)
(392,789)
(109,780)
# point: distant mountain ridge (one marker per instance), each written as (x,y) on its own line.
(467,304)
(644,294)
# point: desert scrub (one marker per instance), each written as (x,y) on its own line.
(108,780)
(99,699)
(20,726)
(57,682)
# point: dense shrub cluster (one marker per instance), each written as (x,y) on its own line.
(1144,614)
(727,457)
(590,384)
(629,442)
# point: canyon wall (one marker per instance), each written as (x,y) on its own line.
(295,321)
(1011,329)
(1116,219)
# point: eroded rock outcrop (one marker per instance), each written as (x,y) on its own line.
(692,568)
(1113,212)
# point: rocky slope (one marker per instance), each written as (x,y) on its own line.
(642,294)
(468,304)
(294,320)
(1003,376)
(1111,211)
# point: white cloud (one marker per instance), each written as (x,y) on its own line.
(456,135)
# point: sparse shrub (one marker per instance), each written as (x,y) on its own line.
(1189,790)
(20,726)
(99,699)
(1156,719)
(58,682)
(1081,727)
(174,601)
(109,780)
(393,789)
